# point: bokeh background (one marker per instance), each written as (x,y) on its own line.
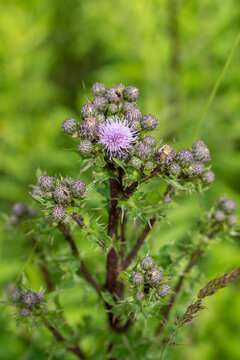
(173,51)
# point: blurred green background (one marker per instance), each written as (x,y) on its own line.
(173,51)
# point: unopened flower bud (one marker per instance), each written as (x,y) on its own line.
(30,299)
(174,168)
(14,220)
(232,220)
(25,312)
(85,147)
(147,263)
(149,165)
(113,95)
(144,151)
(62,195)
(136,162)
(88,110)
(149,122)
(153,277)
(219,216)
(16,296)
(112,109)
(150,140)
(100,118)
(98,89)
(78,188)
(67,181)
(137,278)
(47,183)
(163,290)
(198,168)
(208,177)
(20,209)
(100,103)
(227,205)
(184,158)
(127,106)
(88,128)
(133,115)
(40,295)
(130,93)
(139,296)
(136,125)
(200,151)
(59,213)
(164,155)
(70,126)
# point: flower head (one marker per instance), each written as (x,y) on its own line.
(116,135)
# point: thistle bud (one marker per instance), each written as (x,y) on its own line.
(47,183)
(208,177)
(147,263)
(62,195)
(127,106)
(70,126)
(85,147)
(136,162)
(113,95)
(123,156)
(78,188)
(88,110)
(163,290)
(100,118)
(30,299)
(136,125)
(137,278)
(164,155)
(139,296)
(20,209)
(149,165)
(14,220)
(67,181)
(175,169)
(200,151)
(59,213)
(98,89)
(133,115)
(100,103)
(227,205)
(198,168)
(153,277)
(144,151)
(219,216)
(41,296)
(25,312)
(88,128)
(149,122)
(184,158)
(150,140)
(16,296)
(130,93)
(112,109)
(232,220)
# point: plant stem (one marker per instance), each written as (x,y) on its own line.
(138,244)
(74,348)
(215,88)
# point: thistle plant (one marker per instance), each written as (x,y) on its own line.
(138,181)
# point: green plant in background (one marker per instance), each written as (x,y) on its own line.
(138,183)
(174,52)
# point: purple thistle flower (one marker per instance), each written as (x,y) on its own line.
(116,135)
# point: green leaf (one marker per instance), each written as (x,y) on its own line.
(173,182)
(108,298)
(119,163)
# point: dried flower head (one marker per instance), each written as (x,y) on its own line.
(117,136)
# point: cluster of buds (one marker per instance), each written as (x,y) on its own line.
(21,211)
(148,282)
(113,123)
(223,213)
(60,193)
(28,303)
(112,120)
(186,164)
